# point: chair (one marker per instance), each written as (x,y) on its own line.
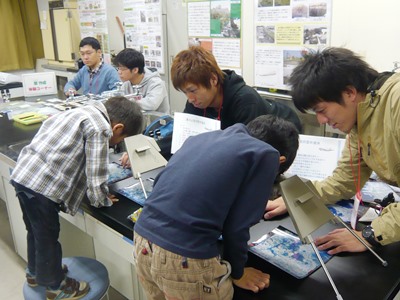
(79,268)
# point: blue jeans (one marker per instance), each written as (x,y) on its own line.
(42,223)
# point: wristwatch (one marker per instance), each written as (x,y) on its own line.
(369,235)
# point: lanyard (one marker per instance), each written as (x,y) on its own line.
(357,181)
(219,110)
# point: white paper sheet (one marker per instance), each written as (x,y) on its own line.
(317,157)
(186,125)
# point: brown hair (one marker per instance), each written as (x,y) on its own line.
(195,65)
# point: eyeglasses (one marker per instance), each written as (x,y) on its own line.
(87,53)
(122,69)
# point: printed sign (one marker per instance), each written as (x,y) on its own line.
(38,84)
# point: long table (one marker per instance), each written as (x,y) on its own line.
(356,275)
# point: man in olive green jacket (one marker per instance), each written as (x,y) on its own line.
(346,93)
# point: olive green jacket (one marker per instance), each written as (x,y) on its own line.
(378,131)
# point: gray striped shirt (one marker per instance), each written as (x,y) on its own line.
(68,157)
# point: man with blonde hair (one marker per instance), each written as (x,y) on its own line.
(221,94)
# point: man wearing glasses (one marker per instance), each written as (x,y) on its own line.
(145,84)
(95,76)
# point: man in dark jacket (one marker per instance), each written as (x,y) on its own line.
(221,94)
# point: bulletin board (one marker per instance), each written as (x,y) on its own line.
(93,21)
(216,26)
(284,29)
(143,25)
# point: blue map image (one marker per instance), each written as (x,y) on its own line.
(284,249)
(135,192)
(376,190)
(116,173)
(342,209)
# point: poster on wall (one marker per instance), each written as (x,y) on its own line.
(93,21)
(284,31)
(216,26)
(144,30)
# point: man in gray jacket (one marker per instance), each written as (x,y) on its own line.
(145,86)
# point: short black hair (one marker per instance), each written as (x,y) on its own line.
(324,75)
(279,133)
(131,59)
(128,113)
(91,41)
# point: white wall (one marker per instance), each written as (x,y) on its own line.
(248,41)
(115,8)
(176,40)
(370,28)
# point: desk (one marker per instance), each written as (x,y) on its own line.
(357,276)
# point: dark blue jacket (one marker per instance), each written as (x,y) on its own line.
(216,183)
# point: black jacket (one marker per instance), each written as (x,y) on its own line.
(242,104)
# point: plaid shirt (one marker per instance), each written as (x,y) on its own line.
(68,157)
(92,72)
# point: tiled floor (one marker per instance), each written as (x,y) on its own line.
(12,270)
